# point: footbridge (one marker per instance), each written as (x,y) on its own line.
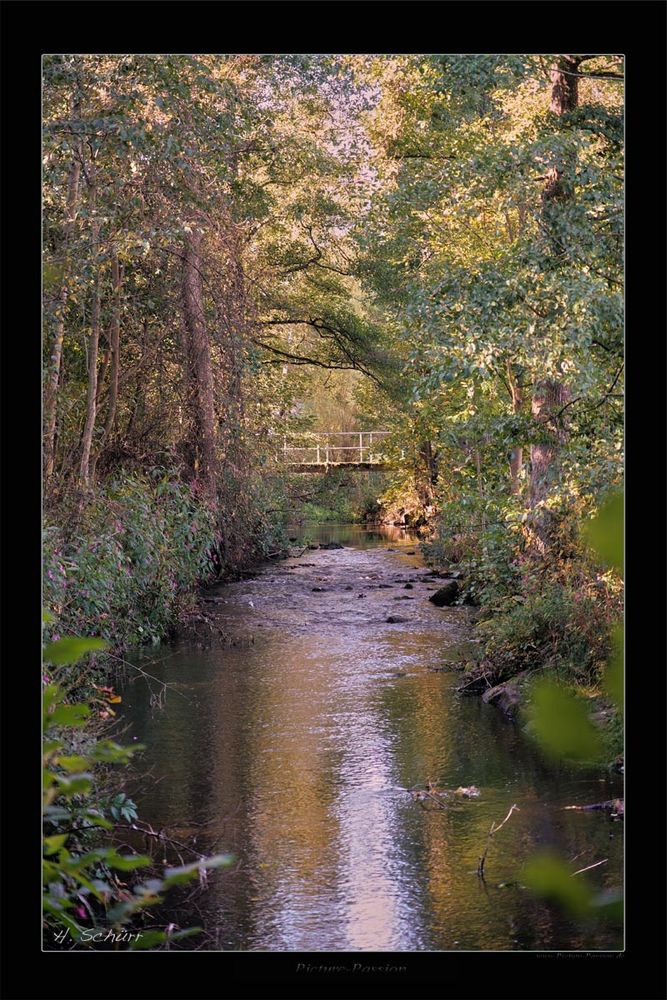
(317,452)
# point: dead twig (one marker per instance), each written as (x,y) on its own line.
(588,867)
(494,829)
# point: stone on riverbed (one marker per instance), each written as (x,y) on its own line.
(446,596)
(395,620)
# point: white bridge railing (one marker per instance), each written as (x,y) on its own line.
(336,448)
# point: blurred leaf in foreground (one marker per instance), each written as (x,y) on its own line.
(550,877)
(605,532)
(561,724)
(71,649)
(613,677)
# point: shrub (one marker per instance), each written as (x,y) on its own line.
(122,558)
(556,628)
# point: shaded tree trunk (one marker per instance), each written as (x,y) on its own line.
(549,395)
(199,356)
(549,398)
(93,345)
(53,382)
(516,453)
(114,350)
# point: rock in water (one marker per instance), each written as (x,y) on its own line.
(506,696)
(472,792)
(395,620)
(446,595)
(332,545)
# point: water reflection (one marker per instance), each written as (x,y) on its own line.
(297,749)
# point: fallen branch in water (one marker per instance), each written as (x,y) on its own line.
(494,829)
(478,679)
(588,867)
(615,805)
(162,837)
(420,797)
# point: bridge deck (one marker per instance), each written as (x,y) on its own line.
(323,468)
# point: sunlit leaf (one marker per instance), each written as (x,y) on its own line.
(127,862)
(71,649)
(72,763)
(54,843)
(68,715)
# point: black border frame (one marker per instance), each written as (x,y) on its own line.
(637,30)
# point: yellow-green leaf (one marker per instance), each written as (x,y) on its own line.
(548,876)
(613,677)
(71,649)
(561,724)
(605,532)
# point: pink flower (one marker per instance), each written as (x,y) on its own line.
(55,638)
(80,912)
(46,679)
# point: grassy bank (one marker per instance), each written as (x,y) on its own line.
(122,562)
(551,621)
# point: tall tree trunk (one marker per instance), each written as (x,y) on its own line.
(516,453)
(93,346)
(114,348)
(199,351)
(53,382)
(549,398)
(549,395)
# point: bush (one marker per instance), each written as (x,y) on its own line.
(121,559)
(556,628)
(482,539)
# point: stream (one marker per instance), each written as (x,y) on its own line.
(292,743)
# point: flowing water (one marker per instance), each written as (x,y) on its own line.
(293,745)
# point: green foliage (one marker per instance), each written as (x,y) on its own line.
(605,532)
(81,892)
(560,722)
(338,496)
(122,561)
(550,877)
(555,627)
(70,650)
(122,807)
(614,675)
